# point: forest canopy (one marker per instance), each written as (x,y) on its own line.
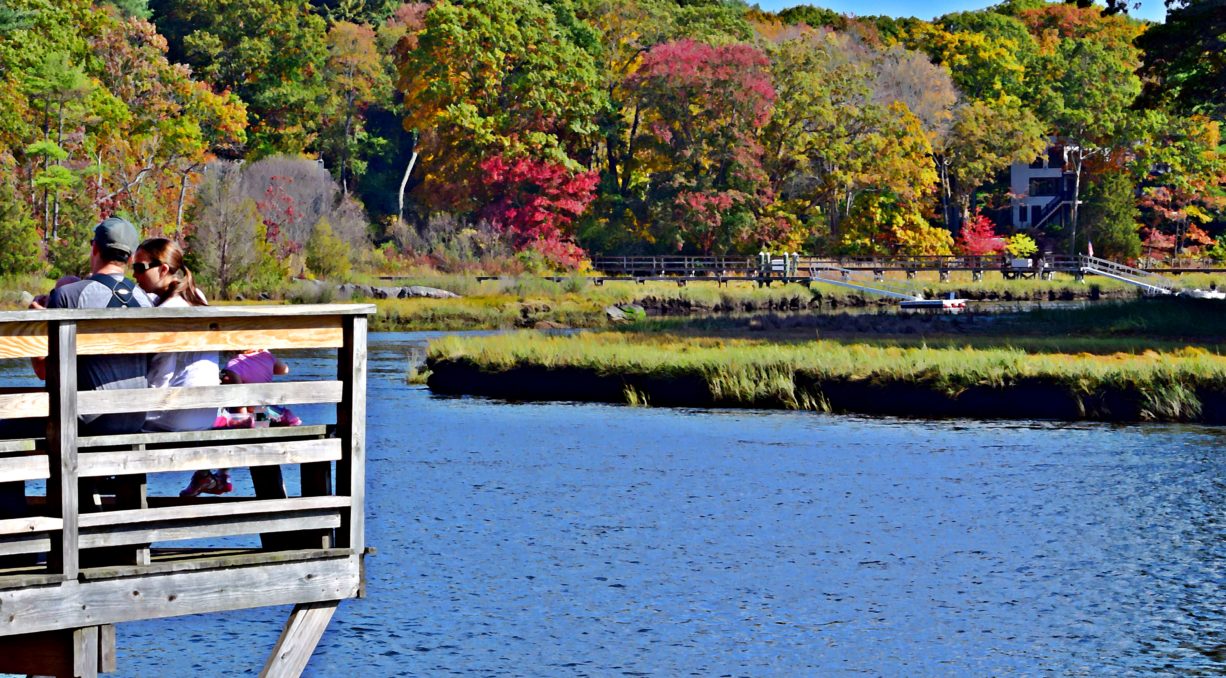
(547,131)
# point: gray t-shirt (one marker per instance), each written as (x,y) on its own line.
(107,372)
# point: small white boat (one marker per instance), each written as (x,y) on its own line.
(948,305)
(1204,294)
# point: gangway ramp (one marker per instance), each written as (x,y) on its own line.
(858,280)
(1151,283)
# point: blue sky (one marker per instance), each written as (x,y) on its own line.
(1153,10)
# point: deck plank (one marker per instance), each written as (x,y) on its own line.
(95,464)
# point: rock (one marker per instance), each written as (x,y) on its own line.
(526,311)
(430,292)
(615,314)
(25,299)
(548,325)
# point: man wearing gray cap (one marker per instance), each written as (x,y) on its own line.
(114,242)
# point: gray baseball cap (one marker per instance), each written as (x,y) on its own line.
(116,234)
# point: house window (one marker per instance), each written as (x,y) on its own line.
(1044,187)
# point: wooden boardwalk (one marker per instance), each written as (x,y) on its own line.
(97,550)
(805,270)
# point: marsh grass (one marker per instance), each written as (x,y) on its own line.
(11,287)
(764,373)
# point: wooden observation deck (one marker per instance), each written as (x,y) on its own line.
(97,549)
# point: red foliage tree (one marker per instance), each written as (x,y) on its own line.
(535,202)
(978,237)
(703,107)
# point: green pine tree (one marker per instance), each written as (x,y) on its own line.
(1111,218)
(19,241)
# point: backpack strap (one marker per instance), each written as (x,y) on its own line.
(121,291)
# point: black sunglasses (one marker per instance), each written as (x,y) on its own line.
(141,266)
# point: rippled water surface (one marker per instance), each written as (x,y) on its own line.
(569,540)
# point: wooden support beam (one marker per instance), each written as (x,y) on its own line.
(72,604)
(210,528)
(85,652)
(306,625)
(209,334)
(31,525)
(201,560)
(26,404)
(351,429)
(211,519)
(32,467)
(107,661)
(158,399)
(180,438)
(62,488)
(220,456)
(31,543)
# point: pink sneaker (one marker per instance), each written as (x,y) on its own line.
(208,483)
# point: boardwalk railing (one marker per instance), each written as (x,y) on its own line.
(750,266)
(97,549)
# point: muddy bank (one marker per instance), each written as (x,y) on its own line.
(1024,398)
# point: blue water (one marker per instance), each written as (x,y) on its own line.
(591,540)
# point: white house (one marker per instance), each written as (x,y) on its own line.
(1043,190)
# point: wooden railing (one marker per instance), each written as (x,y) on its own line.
(750,266)
(311,545)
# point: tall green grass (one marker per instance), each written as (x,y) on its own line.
(750,371)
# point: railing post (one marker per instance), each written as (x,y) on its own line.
(62,487)
(351,428)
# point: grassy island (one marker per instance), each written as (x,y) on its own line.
(1108,377)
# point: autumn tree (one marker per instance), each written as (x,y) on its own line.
(1087,103)
(535,204)
(987,54)
(358,78)
(495,77)
(1184,64)
(225,243)
(271,53)
(979,238)
(985,138)
(703,109)
(842,126)
(327,256)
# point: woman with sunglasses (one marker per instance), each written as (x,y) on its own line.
(158,268)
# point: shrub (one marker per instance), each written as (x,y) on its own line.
(20,251)
(1020,245)
(327,256)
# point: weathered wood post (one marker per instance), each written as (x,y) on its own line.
(62,486)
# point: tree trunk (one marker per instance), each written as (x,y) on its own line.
(59,141)
(345,150)
(182,198)
(1077,163)
(628,161)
